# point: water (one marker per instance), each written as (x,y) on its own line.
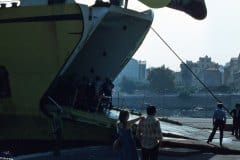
(198,106)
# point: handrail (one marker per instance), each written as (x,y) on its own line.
(57,105)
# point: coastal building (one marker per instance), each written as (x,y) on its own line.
(186,75)
(232,73)
(142,70)
(178,79)
(135,71)
(206,70)
(212,77)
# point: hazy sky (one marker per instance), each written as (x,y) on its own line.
(218,36)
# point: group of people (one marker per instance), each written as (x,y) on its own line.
(148,133)
(96,94)
(219,122)
(84,94)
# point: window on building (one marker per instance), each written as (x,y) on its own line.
(5,91)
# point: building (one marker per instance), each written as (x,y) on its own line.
(186,75)
(142,70)
(135,71)
(232,73)
(212,77)
(178,79)
(207,71)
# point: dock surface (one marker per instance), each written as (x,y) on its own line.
(197,130)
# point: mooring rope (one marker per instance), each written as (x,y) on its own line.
(204,85)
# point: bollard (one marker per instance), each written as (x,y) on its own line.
(3,5)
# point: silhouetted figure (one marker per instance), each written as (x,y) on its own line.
(219,121)
(234,123)
(238,120)
(150,135)
(98,85)
(107,88)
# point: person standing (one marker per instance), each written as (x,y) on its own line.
(128,148)
(107,88)
(150,135)
(219,121)
(234,123)
(237,120)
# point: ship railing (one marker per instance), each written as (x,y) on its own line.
(55,103)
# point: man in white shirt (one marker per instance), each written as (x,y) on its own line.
(150,135)
(219,121)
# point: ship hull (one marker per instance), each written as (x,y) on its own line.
(23,134)
(40,44)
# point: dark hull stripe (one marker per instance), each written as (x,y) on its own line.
(43,18)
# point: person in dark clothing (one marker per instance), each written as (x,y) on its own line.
(107,88)
(234,123)
(237,120)
(219,121)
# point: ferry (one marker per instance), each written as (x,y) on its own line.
(44,46)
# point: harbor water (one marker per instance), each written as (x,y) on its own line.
(196,106)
